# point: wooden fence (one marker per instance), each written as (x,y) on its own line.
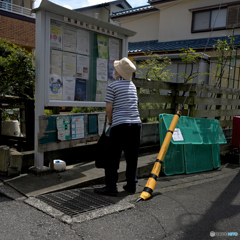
(202,101)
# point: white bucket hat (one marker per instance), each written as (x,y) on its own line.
(125,68)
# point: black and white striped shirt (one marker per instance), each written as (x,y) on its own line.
(123,94)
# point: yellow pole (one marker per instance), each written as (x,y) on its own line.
(151,183)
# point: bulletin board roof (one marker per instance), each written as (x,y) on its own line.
(56,9)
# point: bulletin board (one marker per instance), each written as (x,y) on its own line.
(79,62)
(74,65)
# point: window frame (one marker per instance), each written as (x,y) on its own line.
(208,29)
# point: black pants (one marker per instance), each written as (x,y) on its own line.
(123,137)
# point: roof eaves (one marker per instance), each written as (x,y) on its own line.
(160,1)
(132,11)
(155,46)
(56,9)
(101,5)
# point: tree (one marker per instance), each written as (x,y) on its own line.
(189,56)
(16,70)
(154,67)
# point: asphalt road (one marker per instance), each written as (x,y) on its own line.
(186,213)
(20,221)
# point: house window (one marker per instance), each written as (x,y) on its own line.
(233,18)
(210,19)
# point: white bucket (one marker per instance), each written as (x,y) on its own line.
(11,128)
(59,165)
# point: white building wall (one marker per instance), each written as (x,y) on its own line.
(145,25)
(176,20)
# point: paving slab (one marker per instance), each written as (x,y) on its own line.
(78,175)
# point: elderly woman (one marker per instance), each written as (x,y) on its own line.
(123,117)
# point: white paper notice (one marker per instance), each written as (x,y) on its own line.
(102,70)
(78,130)
(56,62)
(69,39)
(177,135)
(101,120)
(101,91)
(82,42)
(55,87)
(82,66)
(69,64)
(113,49)
(69,88)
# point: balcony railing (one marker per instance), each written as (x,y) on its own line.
(16,9)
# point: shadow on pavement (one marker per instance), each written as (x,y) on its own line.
(222,208)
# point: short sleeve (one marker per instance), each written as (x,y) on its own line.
(110,95)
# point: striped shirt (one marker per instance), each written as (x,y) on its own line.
(123,94)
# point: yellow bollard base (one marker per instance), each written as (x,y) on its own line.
(145,195)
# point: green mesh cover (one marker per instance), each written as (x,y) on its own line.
(216,155)
(200,149)
(187,127)
(198,158)
(210,131)
(174,160)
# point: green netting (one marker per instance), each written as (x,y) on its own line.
(198,158)
(196,130)
(216,156)
(188,129)
(174,160)
(210,131)
(199,151)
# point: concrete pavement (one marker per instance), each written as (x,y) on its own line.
(78,175)
(182,207)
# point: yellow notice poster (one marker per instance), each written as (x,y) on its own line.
(56,36)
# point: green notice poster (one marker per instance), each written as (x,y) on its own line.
(102,46)
(63,127)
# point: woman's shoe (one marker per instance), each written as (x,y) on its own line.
(129,189)
(106,191)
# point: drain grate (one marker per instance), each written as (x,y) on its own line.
(76,201)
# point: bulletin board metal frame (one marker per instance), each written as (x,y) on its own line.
(44,13)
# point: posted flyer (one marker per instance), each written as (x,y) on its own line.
(56,62)
(69,64)
(55,87)
(78,128)
(101,91)
(82,66)
(68,88)
(83,42)
(102,46)
(80,90)
(69,39)
(63,127)
(111,70)
(56,36)
(113,49)
(102,70)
